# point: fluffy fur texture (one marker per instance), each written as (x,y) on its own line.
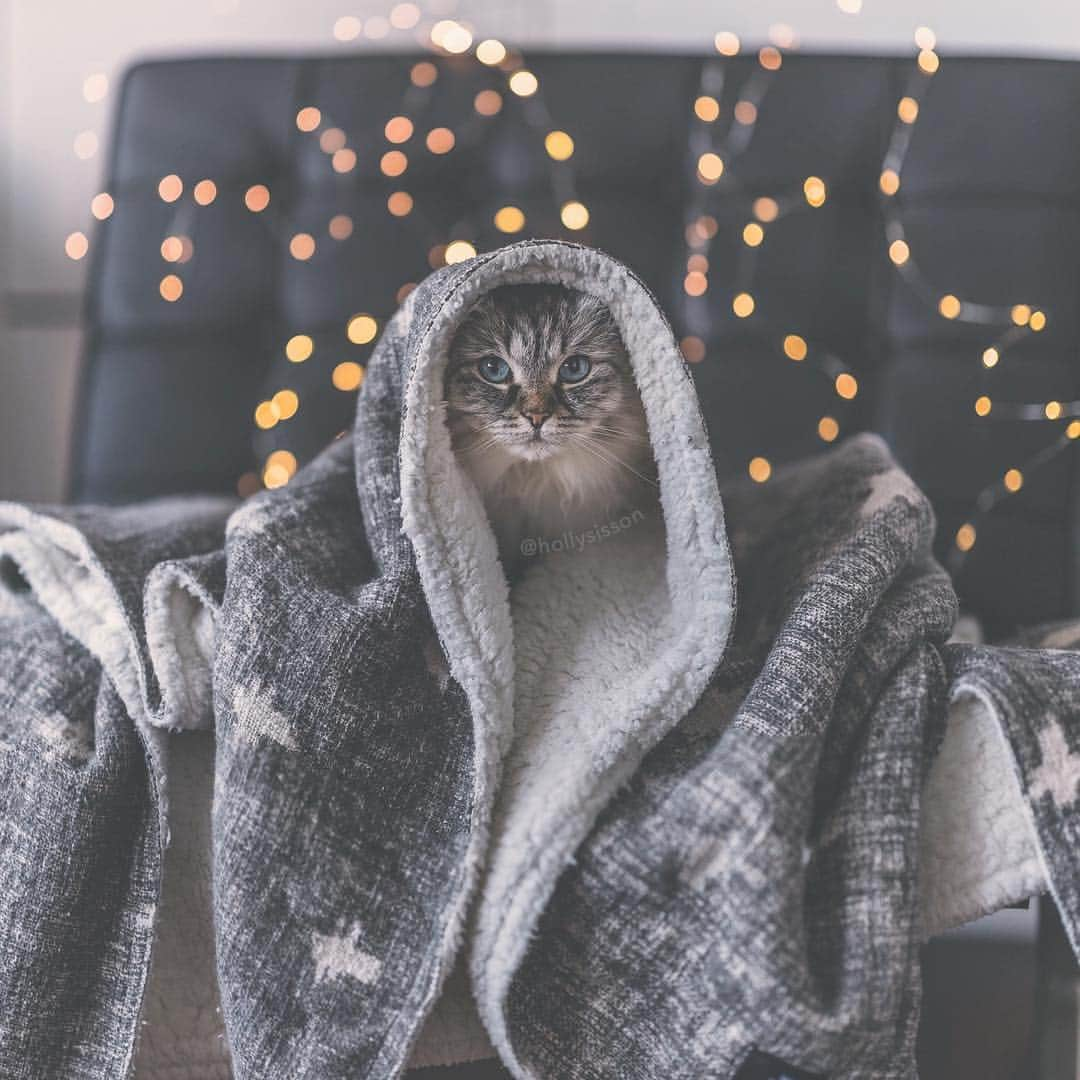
(579,747)
(979,849)
(544,414)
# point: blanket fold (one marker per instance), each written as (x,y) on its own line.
(83,810)
(662,840)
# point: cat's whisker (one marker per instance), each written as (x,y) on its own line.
(487,444)
(618,436)
(587,444)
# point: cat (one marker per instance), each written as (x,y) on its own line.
(545,417)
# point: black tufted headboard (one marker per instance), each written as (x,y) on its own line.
(989,198)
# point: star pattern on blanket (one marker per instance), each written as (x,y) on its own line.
(1059,774)
(887,486)
(336,955)
(256,718)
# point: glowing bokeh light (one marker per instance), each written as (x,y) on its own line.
(423,73)
(509,219)
(287,402)
(170,188)
(440,140)
(488,102)
(102,205)
(965,537)
(847,386)
(928,62)
(343,160)
(524,83)
(743,305)
(266,415)
(559,145)
(257,198)
(361,329)
(85,145)
(769,58)
(458,251)
(695,283)
(76,245)
(795,347)
(171,288)
(693,349)
(759,469)
(393,163)
(574,215)
(491,52)
(400,203)
(302,246)
(766,209)
(95,87)
(404,16)
(308,118)
(299,348)
(340,227)
(745,112)
(949,306)
(814,191)
(451,36)
(706,108)
(347,28)
(727,43)
(908,110)
(399,129)
(348,375)
(710,167)
(331,140)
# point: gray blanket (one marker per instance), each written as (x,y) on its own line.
(665,842)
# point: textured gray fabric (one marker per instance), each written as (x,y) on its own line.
(746,887)
(1034,693)
(82,799)
(765,857)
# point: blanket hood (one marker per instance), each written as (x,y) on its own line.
(595,655)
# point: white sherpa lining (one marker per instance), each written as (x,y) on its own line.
(63,573)
(979,849)
(596,691)
(67,580)
(179,619)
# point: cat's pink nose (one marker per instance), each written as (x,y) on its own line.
(536,418)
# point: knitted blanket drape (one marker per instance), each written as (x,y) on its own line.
(666,840)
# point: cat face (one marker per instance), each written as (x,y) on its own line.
(538,370)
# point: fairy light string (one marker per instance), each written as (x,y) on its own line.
(402,136)
(717,142)
(1014,322)
(715,150)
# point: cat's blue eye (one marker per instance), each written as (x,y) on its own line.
(495,369)
(574,368)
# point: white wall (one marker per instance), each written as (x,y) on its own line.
(48,48)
